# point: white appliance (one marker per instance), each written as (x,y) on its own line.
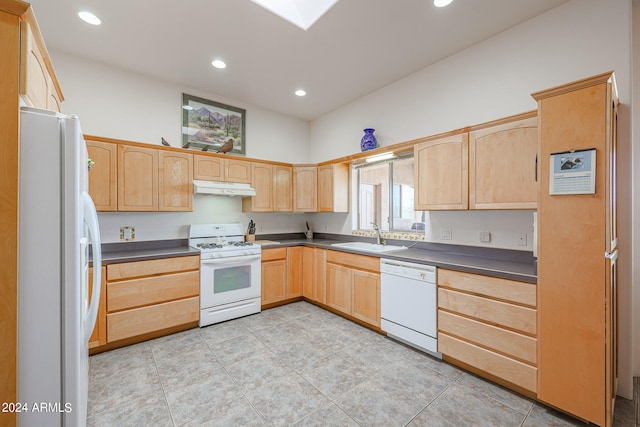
(58,223)
(230,272)
(216,188)
(408,304)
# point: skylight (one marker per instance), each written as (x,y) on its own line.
(302,13)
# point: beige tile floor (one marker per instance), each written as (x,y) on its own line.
(298,365)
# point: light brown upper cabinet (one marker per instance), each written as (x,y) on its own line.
(262,181)
(37,85)
(305,188)
(442,173)
(282,191)
(333,187)
(212,168)
(137,178)
(175,182)
(503,166)
(103,176)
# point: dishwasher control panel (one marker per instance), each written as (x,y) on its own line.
(411,270)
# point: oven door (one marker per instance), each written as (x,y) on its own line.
(226,280)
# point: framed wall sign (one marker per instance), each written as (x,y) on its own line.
(573,172)
(209,125)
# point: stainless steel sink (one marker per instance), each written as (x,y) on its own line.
(369,247)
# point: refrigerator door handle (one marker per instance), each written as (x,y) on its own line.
(91,219)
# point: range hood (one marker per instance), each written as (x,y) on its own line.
(223,188)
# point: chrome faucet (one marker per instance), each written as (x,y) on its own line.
(379,239)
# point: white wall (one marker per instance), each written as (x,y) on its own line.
(118,104)
(492,80)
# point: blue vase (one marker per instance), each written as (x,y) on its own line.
(369,140)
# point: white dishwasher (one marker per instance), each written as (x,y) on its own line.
(408,304)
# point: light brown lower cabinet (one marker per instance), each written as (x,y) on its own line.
(282,274)
(489,324)
(143,297)
(353,285)
(274,275)
(99,335)
(314,277)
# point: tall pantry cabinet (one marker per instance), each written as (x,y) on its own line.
(577,289)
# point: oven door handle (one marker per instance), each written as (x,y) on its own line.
(231,260)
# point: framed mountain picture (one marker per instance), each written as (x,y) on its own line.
(212,126)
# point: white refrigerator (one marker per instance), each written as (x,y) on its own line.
(57,225)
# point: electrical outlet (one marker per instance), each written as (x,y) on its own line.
(445,234)
(522,239)
(485,236)
(127,233)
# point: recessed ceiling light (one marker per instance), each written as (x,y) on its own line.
(219,63)
(89,18)
(300,92)
(187,107)
(441,3)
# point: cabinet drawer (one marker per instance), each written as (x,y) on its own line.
(511,343)
(152,267)
(496,312)
(361,262)
(152,290)
(508,290)
(511,370)
(273,254)
(130,323)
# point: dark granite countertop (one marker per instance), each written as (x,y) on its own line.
(113,253)
(503,263)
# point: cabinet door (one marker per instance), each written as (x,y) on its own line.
(339,288)
(99,335)
(103,176)
(320,275)
(307,273)
(208,168)
(305,189)
(34,77)
(333,188)
(282,193)
(262,181)
(442,174)
(294,272)
(175,181)
(137,178)
(365,296)
(274,281)
(503,166)
(237,171)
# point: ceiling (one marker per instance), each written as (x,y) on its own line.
(358,46)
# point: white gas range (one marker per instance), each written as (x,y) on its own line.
(230,272)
